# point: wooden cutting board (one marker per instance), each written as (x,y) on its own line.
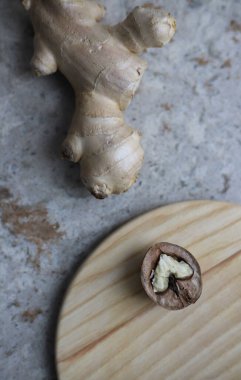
(110,330)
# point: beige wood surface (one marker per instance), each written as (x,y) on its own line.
(109,329)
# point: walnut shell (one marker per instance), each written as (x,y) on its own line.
(180,293)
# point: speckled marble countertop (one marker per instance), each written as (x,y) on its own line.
(188,109)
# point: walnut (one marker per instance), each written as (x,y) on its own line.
(171,276)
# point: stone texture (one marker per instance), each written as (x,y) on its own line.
(188,110)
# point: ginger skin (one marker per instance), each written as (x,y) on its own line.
(103,66)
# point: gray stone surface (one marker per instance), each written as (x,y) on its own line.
(188,110)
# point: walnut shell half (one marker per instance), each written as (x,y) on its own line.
(180,292)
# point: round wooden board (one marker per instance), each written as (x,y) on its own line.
(110,330)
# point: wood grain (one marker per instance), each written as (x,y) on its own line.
(109,329)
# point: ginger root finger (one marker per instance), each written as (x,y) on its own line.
(43,61)
(146,26)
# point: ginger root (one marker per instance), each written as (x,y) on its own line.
(102,64)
